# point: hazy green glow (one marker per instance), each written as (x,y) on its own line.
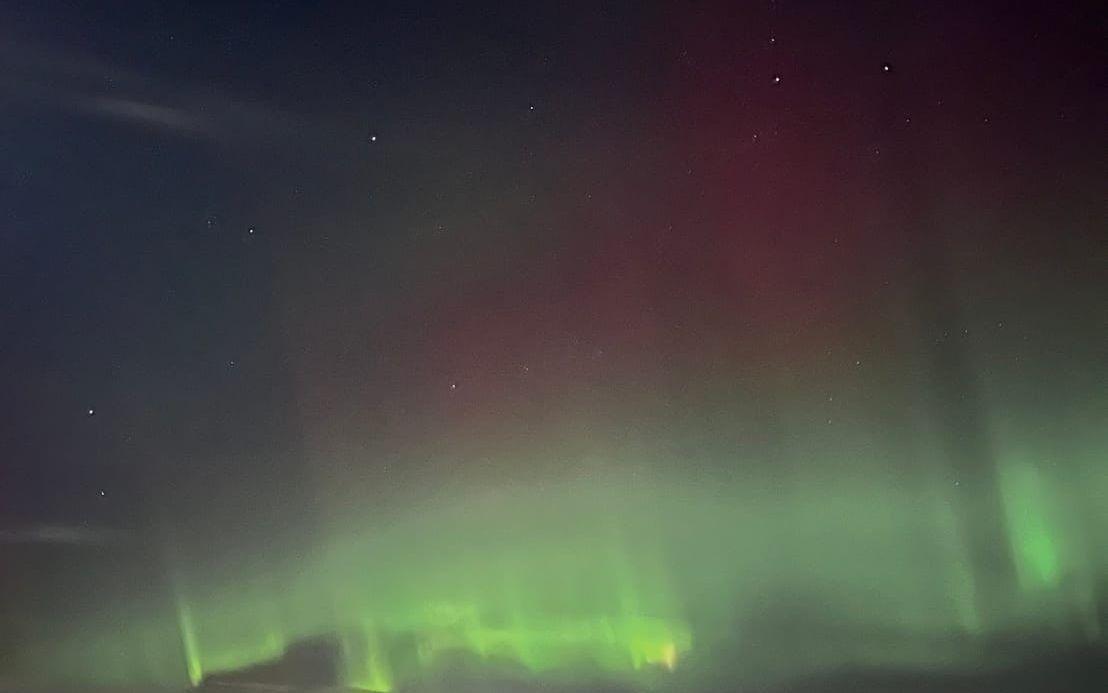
(650,582)
(1031,532)
(959,571)
(367,665)
(190,650)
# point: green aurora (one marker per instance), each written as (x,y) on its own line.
(644,583)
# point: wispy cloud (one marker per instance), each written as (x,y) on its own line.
(52,534)
(39,76)
(148,113)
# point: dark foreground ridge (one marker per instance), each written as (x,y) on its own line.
(312,667)
(1074,671)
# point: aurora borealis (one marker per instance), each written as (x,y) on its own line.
(528,347)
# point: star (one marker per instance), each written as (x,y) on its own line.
(777,79)
(886,67)
(373,138)
(102,494)
(91,411)
(453,386)
(250,231)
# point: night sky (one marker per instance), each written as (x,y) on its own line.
(668,347)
